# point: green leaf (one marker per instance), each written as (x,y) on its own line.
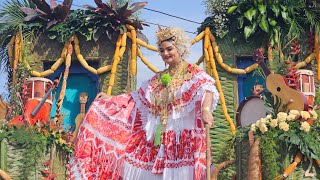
(284,15)
(262,8)
(231,9)
(272,22)
(264,24)
(276,35)
(250,13)
(276,10)
(51,36)
(247,31)
(240,22)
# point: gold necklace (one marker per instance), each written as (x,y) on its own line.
(164,95)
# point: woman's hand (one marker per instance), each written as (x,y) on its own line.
(101,96)
(207,118)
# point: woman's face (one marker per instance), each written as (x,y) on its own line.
(169,53)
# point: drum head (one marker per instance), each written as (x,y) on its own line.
(250,110)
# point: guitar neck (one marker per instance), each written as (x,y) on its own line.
(264,68)
(82,108)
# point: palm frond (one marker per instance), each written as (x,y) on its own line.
(11,16)
(4,60)
(295,30)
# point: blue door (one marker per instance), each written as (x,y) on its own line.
(246,82)
(79,80)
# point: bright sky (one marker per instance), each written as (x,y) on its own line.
(193,10)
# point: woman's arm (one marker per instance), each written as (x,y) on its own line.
(206,109)
(101,96)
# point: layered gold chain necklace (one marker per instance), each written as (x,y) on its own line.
(164,94)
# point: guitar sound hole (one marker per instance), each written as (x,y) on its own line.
(278,89)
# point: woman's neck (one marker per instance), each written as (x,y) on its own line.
(175,65)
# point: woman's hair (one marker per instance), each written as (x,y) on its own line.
(177,37)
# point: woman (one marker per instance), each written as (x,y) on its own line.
(157,132)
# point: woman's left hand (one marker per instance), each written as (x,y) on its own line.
(207,118)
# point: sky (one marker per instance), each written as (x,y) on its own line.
(193,10)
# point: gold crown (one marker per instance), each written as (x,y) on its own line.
(165,34)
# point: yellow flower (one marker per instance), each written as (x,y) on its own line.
(274,123)
(305,114)
(282,116)
(263,128)
(61,141)
(284,126)
(253,127)
(305,126)
(314,114)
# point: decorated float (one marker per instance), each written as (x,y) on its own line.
(58,59)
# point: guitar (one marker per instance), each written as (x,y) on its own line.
(83,98)
(276,84)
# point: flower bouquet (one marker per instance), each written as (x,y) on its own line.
(285,138)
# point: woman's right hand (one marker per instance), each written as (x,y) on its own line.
(101,96)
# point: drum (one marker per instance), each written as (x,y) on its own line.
(305,82)
(250,110)
(37,88)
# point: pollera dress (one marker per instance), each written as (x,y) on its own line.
(117,137)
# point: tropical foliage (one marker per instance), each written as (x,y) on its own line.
(34,16)
(275,20)
(50,15)
(12,18)
(36,141)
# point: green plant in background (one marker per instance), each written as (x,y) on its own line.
(35,144)
(219,20)
(12,18)
(255,16)
(112,18)
(276,21)
(47,14)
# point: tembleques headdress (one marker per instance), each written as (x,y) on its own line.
(178,38)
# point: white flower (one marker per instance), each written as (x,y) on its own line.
(274,123)
(258,123)
(253,127)
(305,114)
(291,117)
(268,118)
(284,126)
(296,112)
(305,126)
(314,114)
(263,128)
(294,115)
(282,116)
(263,121)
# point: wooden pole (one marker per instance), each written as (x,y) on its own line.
(208,153)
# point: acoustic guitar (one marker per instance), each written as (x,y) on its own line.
(83,98)
(276,84)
